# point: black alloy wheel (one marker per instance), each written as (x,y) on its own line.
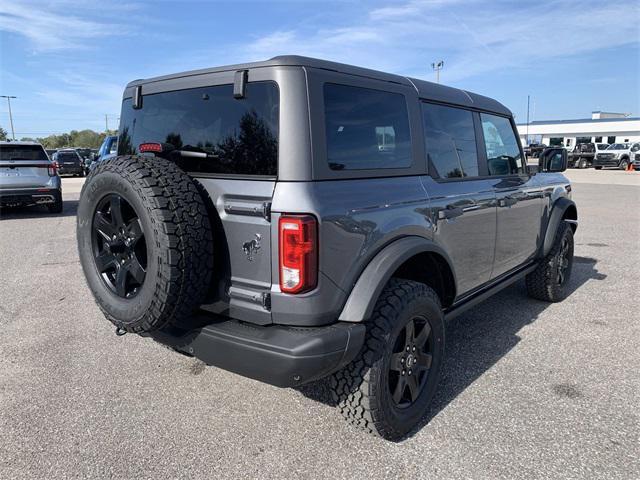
(119,247)
(563,261)
(410,362)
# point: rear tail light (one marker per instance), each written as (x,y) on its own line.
(153,147)
(298,241)
(53,169)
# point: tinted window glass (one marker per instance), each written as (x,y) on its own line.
(22,152)
(503,153)
(366,129)
(236,136)
(68,156)
(450,141)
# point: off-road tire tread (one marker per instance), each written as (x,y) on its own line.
(351,387)
(541,283)
(183,233)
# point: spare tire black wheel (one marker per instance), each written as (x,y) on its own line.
(144,240)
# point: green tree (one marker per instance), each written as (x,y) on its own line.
(3,134)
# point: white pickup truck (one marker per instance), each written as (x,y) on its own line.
(617,155)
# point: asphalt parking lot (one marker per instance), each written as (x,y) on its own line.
(530,390)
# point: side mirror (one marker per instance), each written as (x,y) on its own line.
(553,160)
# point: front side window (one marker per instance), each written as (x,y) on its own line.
(235,136)
(366,129)
(503,152)
(450,141)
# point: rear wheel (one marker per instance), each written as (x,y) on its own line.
(582,163)
(387,389)
(144,240)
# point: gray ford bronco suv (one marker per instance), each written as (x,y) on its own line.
(295,219)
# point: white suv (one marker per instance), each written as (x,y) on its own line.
(28,176)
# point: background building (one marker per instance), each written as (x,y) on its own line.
(602,127)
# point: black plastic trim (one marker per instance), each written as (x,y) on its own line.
(275,354)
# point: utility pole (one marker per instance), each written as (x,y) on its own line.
(9,97)
(106,122)
(527,120)
(437,66)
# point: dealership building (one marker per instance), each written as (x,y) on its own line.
(602,127)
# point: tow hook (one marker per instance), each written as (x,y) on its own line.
(120,331)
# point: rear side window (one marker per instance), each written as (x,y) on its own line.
(22,152)
(450,141)
(366,129)
(239,136)
(503,153)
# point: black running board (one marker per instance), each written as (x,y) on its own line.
(467,302)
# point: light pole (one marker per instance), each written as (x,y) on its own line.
(437,66)
(527,120)
(9,97)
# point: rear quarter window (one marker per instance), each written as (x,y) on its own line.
(366,129)
(240,136)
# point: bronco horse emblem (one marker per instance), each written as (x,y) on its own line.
(251,248)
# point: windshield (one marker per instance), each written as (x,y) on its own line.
(22,152)
(237,136)
(618,146)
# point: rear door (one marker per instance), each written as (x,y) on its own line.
(23,166)
(230,145)
(463,203)
(518,196)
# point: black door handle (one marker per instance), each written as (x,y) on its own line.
(448,213)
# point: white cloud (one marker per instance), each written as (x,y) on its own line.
(50,27)
(473,37)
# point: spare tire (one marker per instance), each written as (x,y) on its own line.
(144,240)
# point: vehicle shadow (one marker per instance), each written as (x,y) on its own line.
(479,338)
(69,209)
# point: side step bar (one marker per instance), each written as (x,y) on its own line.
(466,303)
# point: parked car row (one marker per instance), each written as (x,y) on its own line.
(597,155)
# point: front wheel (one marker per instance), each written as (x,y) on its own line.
(388,387)
(550,280)
(598,168)
(582,163)
(624,164)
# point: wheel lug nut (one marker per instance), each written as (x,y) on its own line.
(402,360)
(403,372)
(415,360)
(407,348)
(410,372)
(414,349)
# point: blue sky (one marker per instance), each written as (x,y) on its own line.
(68,61)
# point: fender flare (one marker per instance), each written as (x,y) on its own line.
(557,212)
(364,295)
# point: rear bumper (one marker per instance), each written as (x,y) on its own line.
(29,196)
(70,169)
(279,355)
